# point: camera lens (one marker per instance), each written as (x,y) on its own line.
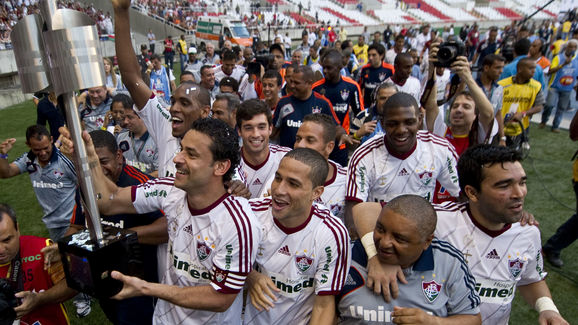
(446,53)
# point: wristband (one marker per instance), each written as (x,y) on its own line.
(545,303)
(3,156)
(369,245)
(503,138)
(356,137)
(523,114)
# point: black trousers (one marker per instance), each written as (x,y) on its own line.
(566,233)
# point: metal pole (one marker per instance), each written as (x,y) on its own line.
(83,169)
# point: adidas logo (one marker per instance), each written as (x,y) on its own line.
(403,172)
(257,182)
(189,229)
(493,255)
(284,250)
(349,280)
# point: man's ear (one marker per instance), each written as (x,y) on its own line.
(205,110)
(317,191)
(471,193)
(221,167)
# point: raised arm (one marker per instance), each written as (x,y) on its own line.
(127,63)
(7,169)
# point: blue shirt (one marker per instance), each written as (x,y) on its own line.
(511,69)
(371,77)
(290,112)
(565,78)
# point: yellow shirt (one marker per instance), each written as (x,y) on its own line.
(556,46)
(518,98)
(361,53)
(183,46)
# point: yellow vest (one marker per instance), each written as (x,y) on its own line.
(518,98)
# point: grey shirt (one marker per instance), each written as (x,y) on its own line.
(140,153)
(93,116)
(439,283)
(54,186)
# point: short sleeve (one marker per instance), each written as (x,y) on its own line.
(534,271)
(335,258)
(360,173)
(448,176)
(22,162)
(157,120)
(463,298)
(150,196)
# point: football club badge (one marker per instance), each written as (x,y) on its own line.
(203,251)
(58,174)
(315,109)
(515,266)
(426,177)
(382,76)
(303,263)
(220,276)
(431,290)
(344,94)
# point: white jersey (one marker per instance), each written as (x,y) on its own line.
(499,260)
(237,73)
(374,174)
(157,119)
(214,246)
(259,178)
(312,259)
(412,86)
(333,196)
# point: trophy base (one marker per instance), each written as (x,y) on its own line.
(87,266)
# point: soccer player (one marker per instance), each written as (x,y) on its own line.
(213,236)
(52,175)
(439,284)
(403,161)
(303,100)
(343,93)
(138,147)
(374,72)
(225,108)
(503,255)
(402,76)
(229,68)
(303,258)
(318,133)
(272,82)
(259,158)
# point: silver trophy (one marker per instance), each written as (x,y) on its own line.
(59,50)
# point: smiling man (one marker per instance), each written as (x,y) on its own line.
(403,161)
(303,258)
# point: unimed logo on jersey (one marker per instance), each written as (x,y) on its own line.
(161,193)
(497,292)
(292,287)
(196,272)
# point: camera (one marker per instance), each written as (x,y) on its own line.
(448,53)
(7,303)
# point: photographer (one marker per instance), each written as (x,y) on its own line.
(31,288)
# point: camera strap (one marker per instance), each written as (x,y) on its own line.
(15,275)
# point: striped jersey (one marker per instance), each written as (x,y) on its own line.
(370,78)
(439,283)
(304,261)
(333,196)
(499,260)
(259,178)
(158,122)
(290,112)
(214,246)
(54,185)
(375,174)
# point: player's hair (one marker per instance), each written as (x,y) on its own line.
(229,55)
(232,100)
(398,100)
(398,37)
(466,94)
(231,82)
(6,209)
(125,100)
(402,56)
(104,139)
(196,91)
(378,47)
(491,58)
(225,142)
(37,132)
(347,43)
(204,68)
(308,75)
(417,209)
(384,85)
(187,72)
(313,159)
(522,47)
(155,57)
(473,161)
(524,61)
(333,55)
(250,108)
(326,122)
(270,74)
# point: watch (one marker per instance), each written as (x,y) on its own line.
(3,155)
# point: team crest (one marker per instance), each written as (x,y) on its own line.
(382,76)
(515,266)
(426,177)
(315,109)
(203,251)
(431,290)
(344,94)
(303,263)
(220,276)
(58,174)
(150,152)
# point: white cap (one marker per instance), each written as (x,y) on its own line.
(192,50)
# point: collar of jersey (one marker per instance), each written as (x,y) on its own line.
(425,262)
(399,156)
(293,230)
(491,233)
(209,208)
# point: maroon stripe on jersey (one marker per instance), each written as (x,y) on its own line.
(430,137)
(244,234)
(132,194)
(249,242)
(239,232)
(342,242)
(361,152)
(277,148)
(260,203)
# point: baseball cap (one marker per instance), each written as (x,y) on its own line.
(192,50)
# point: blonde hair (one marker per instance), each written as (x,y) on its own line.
(112,73)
